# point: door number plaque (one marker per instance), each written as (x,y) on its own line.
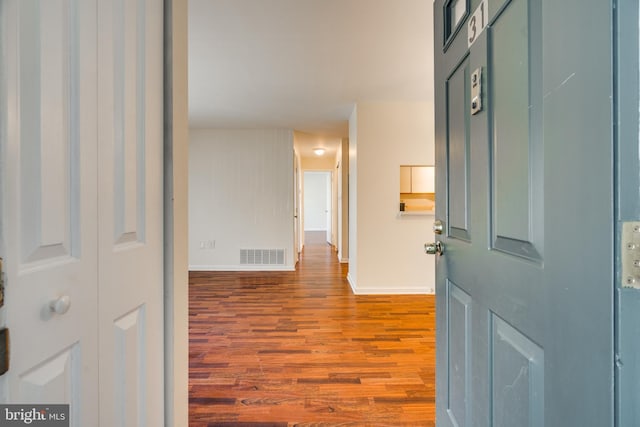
(477,23)
(476,91)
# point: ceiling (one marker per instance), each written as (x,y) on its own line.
(303,64)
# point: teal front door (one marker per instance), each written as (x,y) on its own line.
(525,188)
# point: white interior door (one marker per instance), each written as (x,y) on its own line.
(329,203)
(50,203)
(130,208)
(296,199)
(82,206)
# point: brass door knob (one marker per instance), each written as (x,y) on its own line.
(436,248)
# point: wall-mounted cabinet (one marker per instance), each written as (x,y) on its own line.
(417,188)
(417,179)
(405,179)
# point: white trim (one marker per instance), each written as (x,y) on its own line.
(418,290)
(316,229)
(416,213)
(394,291)
(351,283)
(241,268)
(344,260)
(176,281)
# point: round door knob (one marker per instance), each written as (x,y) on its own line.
(434,248)
(60,305)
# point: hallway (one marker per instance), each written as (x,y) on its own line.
(298,348)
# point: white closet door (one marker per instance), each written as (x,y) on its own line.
(130,127)
(49,203)
(82,206)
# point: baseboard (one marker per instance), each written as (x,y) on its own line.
(351,283)
(242,268)
(418,290)
(393,291)
(344,260)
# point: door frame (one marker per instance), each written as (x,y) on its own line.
(176,163)
(298,232)
(626,62)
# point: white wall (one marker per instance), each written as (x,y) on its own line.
(386,250)
(317,163)
(240,196)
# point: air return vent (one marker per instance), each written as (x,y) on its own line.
(261,256)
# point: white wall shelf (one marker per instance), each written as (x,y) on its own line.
(416,213)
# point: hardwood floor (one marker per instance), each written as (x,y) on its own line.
(299,349)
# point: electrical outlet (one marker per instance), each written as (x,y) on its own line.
(630,254)
(212,244)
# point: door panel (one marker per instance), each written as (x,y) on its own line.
(516,153)
(509,102)
(50,147)
(458,150)
(517,384)
(130,344)
(130,233)
(50,202)
(127,122)
(53,380)
(459,354)
(525,310)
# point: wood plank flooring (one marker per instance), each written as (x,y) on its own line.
(299,349)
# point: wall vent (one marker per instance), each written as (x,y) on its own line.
(262,257)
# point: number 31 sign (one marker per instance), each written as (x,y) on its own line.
(476,24)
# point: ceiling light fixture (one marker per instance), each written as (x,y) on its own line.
(318,151)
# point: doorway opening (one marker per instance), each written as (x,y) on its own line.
(317,203)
